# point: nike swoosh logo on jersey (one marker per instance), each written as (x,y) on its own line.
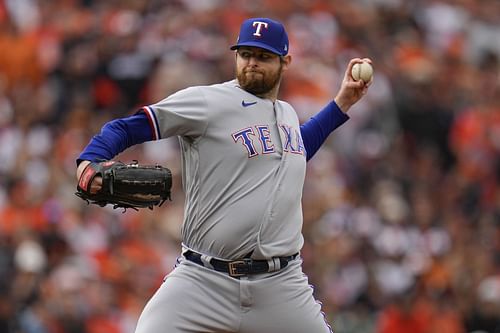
(245,104)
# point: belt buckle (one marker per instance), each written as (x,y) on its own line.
(233,267)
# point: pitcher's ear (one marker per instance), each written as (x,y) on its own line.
(286,61)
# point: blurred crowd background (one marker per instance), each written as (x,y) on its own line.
(401,205)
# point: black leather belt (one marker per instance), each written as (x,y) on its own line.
(243,266)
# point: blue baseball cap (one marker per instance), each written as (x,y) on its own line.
(264,33)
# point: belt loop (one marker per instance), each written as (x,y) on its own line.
(206,261)
(274,264)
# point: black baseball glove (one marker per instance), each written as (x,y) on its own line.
(126,185)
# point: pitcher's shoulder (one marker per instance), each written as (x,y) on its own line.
(228,86)
(221,92)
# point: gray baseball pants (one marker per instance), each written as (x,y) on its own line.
(196,299)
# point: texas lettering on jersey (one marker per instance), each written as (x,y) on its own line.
(261,133)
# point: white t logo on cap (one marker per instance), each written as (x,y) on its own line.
(259,25)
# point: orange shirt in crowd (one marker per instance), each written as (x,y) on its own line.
(19,58)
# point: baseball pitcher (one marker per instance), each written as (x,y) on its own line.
(244,156)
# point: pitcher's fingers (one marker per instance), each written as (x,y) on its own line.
(348,72)
(368,60)
(96,185)
(355,84)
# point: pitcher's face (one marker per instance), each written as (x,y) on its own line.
(257,70)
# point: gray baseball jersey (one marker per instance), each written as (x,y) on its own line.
(243,171)
(243,164)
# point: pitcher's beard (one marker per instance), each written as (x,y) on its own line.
(258,84)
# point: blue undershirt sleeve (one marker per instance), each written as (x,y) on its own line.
(315,131)
(116,136)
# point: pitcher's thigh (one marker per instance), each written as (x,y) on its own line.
(190,300)
(300,316)
(285,304)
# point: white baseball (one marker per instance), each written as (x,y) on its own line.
(362,71)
